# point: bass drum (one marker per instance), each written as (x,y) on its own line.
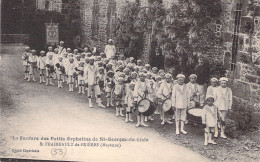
(167,106)
(146,107)
(194,115)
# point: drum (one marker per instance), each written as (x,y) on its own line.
(146,107)
(167,106)
(52,69)
(194,115)
(34,64)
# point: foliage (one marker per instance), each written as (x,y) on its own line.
(217,70)
(242,114)
(188,27)
(126,34)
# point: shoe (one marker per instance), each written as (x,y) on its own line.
(79,92)
(162,123)
(216,135)
(150,118)
(205,143)
(61,87)
(186,122)
(126,120)
(90,104)
(222,135)
(51,84)
(212,142)
(34,80)
(183,132)
(28,80)
(40,82)
(177,131)
(121,114)
(131,120)
(145,125)
(169,122)
(46,84)
(43,81)
(137,125)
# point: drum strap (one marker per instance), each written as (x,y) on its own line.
(212,113)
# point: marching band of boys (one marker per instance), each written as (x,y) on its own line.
(124,82)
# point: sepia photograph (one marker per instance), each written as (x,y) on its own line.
(130,80)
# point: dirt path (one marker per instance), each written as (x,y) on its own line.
(34,110)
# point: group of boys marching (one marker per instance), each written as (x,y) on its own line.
(124,82)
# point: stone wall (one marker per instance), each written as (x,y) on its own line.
(97,25)
(246,77)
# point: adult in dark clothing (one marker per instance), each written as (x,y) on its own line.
(202,71)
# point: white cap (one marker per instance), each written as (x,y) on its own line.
(213,79)
(223,79)
(180,76)
(92,58)
(142,74)
(168,75)
(193,75)
(61,42)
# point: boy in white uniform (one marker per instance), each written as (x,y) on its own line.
(41,65)
(91,73)
(25,57)
(209,119)
(211,91)
(50,52)
(129,100)
(61,48)
(180,100)
(223,101)
(194,93)
(140,92)
(33,64)
(165,92)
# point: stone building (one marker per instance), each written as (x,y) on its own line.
(246,75)
(70,11)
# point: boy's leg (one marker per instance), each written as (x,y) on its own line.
(79,88)
(51,79)
(211,131)
(127,117)
(142,121)
(40,77)
(72,84)
(98,94)
(83,87)
(47,80)
(117,108)
(43,80)
(138,119)
(163,118)
(121,109)
(177,121)
(89,95)
(206,136)
(60,81)
(183,119)
(130,115)
(223,124)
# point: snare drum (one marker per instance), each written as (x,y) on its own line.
(194,115)
(146,107)
(167,106)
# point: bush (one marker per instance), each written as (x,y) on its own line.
(242,113)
